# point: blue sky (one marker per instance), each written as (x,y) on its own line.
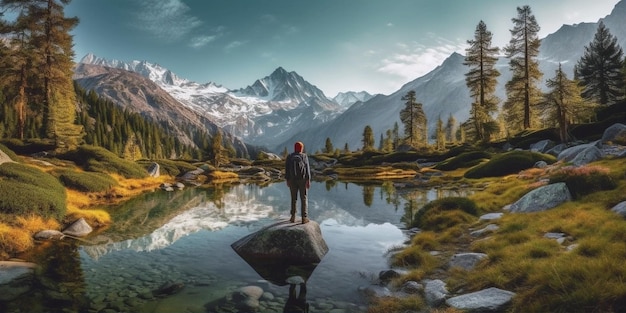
(337,45)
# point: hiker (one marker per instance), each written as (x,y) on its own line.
(298,176)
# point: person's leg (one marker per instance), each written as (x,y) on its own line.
(303,201)
(293,189)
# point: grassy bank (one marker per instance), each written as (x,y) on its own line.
(585,273)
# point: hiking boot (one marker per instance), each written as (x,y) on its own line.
(292,219)
(305,220)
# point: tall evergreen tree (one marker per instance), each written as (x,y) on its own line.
(481,79)
(47,64)
(599,69)
(522,90)
(440,135)
(368,138)
(451,129)
(563,103)
(329,146)
(414,120)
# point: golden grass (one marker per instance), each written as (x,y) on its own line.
(17,235)
(393,304)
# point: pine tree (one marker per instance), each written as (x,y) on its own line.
(368,138)
(414,120)
(522,90)
(440,135)
(218,152)
(481,79)
(451,129)
(45,67)
(329,146)
(599,69)
(563,103)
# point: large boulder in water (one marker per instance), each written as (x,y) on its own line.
(284,242)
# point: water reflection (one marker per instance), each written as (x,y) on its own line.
(185,237)
(296,303)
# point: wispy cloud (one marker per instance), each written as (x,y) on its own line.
(167,20)
(416,61)
(234,45)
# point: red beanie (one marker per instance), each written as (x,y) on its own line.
(298,147)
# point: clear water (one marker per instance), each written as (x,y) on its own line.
(183,239)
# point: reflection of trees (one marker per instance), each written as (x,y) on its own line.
(368,195)
(389,191)
(330,184)
(410,208)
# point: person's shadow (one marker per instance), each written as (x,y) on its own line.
(296,303)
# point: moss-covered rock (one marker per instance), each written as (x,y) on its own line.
(444,213)
(508,163)
(463,160)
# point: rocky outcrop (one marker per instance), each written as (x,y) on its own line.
(620,209)
(542,199)
(615,134)
(582,154)
(4,157)
(49,234)
(466,261)
(154,170)
(284,241)
(487,300)
(79,228)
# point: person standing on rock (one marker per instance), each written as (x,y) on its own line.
(298,176)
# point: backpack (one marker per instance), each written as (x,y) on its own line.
(298,166)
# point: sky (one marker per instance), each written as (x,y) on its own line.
(337,45)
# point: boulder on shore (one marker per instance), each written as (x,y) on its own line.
(542,199)
(284,241)
(79,228)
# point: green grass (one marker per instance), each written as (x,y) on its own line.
(27,190)
(97,159)
(85,181)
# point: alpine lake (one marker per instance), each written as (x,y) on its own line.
(171,251)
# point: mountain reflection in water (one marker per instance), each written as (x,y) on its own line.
(184,237)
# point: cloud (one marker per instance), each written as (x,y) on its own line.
(201,41)
(411,63)
(167,20)
(233,45)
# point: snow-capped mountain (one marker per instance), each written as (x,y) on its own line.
(267,110)
(346,99)
(442,92)
(282,107)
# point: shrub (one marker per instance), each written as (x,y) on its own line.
(508,163)
(463,160)
(85,181)
(444,213)
(28,190)
(584,180)
(97,159)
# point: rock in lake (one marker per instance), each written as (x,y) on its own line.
(284,241)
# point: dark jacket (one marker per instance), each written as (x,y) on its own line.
(289,172)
